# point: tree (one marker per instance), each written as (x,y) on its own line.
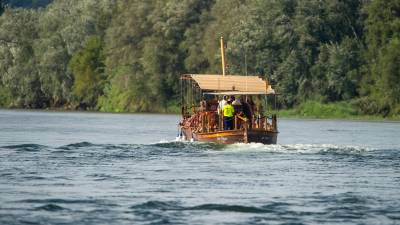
(87,67)
(383,35)
(146,53)
(19,75)
(127,55)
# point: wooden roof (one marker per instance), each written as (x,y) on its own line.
(231,83)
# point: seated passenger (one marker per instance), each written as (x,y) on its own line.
(203,105)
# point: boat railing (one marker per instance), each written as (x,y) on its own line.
(263,122)
(258,122)
(211,121)
(240,122)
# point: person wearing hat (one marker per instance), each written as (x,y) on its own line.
(228,112)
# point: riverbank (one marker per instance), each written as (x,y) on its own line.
(339,110)
(307,110)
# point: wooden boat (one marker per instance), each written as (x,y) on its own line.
(202,120)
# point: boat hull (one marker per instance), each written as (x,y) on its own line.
(234,136)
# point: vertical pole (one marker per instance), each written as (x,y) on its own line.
(207,122)
(236,121)
(265,123)
(222,127)
(182,98)
(245,62)
(187,93)
(266,105)
(223,55)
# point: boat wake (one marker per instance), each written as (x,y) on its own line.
(278,148)
(188,147)
(300,148)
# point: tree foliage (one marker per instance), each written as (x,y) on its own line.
(87,67)
(383,55)
(127,55)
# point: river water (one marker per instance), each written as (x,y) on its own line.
(97,168)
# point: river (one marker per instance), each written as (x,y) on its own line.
(100,168)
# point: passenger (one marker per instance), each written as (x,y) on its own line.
(237,105)
(235,101)
(221,105)
(228,112)
(248,111)
(259,112)
(203,105)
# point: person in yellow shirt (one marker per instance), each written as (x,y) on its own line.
(229,112)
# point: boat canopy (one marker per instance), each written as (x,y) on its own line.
(231,84)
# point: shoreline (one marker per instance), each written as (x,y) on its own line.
(356,119)
(286,115)
(60,110)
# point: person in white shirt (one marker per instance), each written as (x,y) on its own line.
(221,104)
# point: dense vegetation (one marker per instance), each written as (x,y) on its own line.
(127,55)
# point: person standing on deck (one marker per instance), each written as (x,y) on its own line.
(248,111)
(237,105)
(228,112)
(221,105)
(220,112)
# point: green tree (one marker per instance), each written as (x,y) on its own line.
(88,70)
(19,75)
(383,35)
(336,74)
(127,55)
(145,54)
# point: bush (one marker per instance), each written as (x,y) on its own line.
(5,97)
(314,109)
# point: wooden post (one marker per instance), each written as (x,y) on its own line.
(235,122)
(265,123)
(221,122)
(202,122)
(223,55)
(245,138)
(274,122)
(208,121)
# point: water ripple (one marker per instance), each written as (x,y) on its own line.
(174,206)
(25,147)
(50,208)
(61,201)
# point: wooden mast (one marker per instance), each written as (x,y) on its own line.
(223,56)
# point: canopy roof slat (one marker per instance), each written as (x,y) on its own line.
(231,83)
